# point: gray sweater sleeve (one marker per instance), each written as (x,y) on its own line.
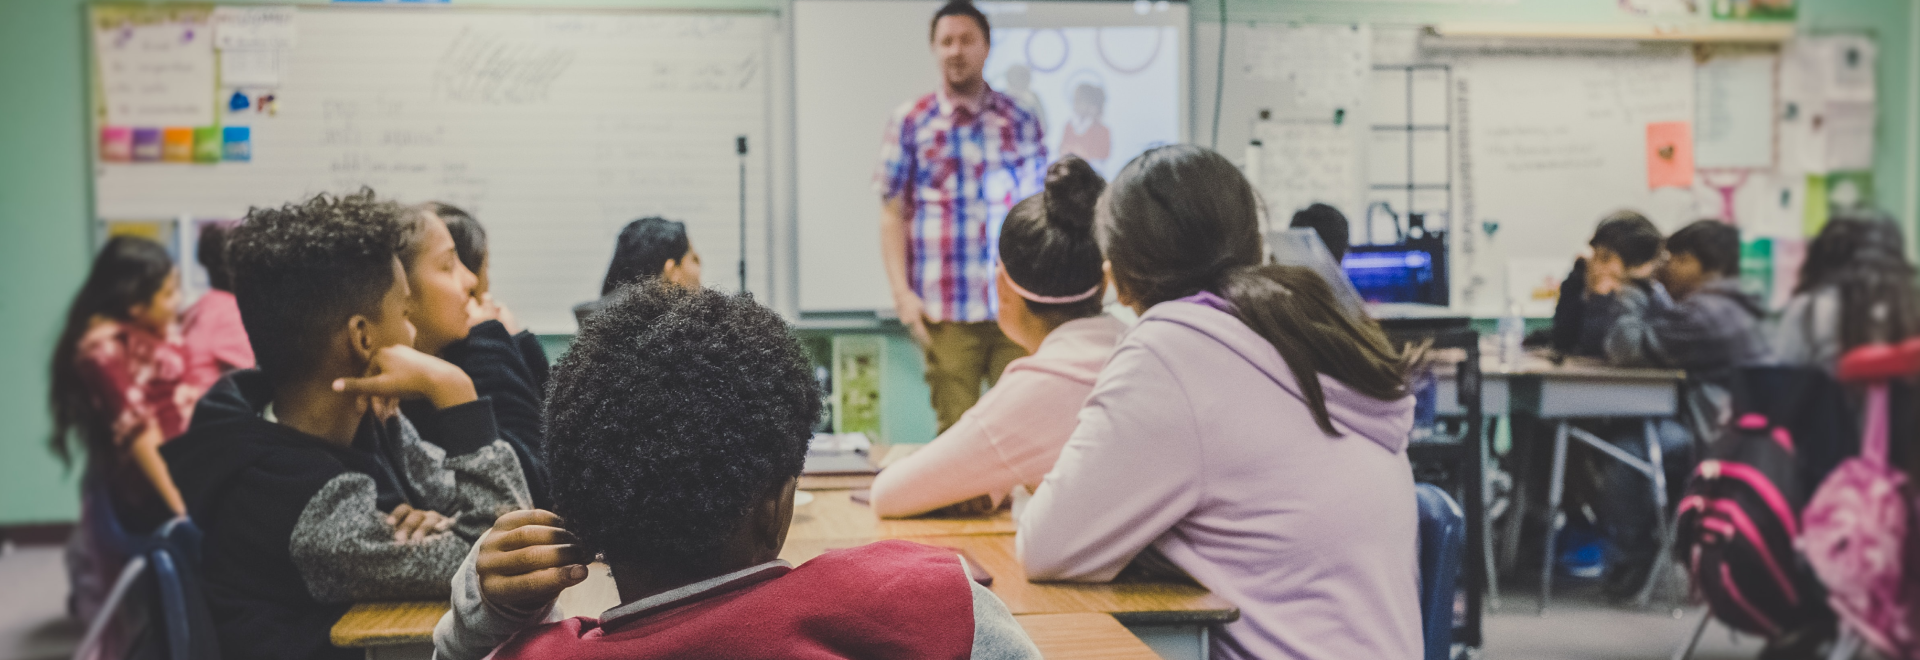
(466,472)
(343,546)
(1632,340)
(344,549)
(996,634)
(473,628)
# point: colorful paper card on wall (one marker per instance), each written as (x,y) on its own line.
(146,145)
(176,144)
(116,144)
(1669,154)
(207,144)
(238,143)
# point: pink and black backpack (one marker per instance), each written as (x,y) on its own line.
(1737,524)
(1859,524)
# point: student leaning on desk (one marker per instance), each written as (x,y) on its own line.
(1248,429)
(688,498)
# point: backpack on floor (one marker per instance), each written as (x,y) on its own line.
(1858,523)
(1736,527)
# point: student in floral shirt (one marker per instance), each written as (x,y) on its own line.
(119,389)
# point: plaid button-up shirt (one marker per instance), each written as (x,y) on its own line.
(959,171)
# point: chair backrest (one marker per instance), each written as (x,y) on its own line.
(124,627)
(155,610)
(175,558)
(1443,535)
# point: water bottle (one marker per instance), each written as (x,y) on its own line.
(1513,331)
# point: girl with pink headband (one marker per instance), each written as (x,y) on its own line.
(1051,283)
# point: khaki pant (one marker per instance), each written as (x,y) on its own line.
(960,357)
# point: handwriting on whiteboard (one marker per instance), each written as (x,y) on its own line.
(1305,163)
(490,69)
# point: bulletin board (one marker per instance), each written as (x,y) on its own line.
(553,128)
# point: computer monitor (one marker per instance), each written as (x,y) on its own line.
(1411,272)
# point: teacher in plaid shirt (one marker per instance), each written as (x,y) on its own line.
(951,164)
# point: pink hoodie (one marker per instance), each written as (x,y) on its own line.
(1197,441)
(1013,435)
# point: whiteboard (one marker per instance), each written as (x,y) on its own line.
(1555,142)
(856,61)
(610,116)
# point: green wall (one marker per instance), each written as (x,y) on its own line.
(44,183)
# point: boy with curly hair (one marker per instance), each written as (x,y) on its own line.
(312,490)
(681,419)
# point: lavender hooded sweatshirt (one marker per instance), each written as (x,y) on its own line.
(1197,441)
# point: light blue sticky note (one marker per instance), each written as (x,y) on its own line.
(237,143)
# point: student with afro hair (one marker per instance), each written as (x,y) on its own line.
(681,417)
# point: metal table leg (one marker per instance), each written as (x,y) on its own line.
(1556,518)
(1658,474)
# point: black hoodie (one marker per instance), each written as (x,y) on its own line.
(503,372)
(295,525)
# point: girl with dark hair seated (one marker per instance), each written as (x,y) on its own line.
(119,388)
(648,248)
(1247,429)
(1051,287)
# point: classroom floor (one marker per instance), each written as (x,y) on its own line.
(34,626)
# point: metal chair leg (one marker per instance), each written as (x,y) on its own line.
(1658,475)
(1486,539)
(1554,516)
(1686,652)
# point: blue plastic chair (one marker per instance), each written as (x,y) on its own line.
(1443,541)
(156,609)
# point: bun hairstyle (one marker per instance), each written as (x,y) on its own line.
(1047,245)
(1181,219)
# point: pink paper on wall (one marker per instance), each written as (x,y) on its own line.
(116,144)
(1670,154)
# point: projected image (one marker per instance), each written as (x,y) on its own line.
(1104,94)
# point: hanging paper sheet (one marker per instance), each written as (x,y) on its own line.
(156,67)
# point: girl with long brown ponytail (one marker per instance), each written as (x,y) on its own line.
(1248,429)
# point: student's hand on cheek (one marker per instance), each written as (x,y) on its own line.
(1604,276)
(527,559)
(400,372)
(412,525)
(483,308)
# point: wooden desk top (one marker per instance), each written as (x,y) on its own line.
(834,521)
(1083,636)
(382,624)
(834,515)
